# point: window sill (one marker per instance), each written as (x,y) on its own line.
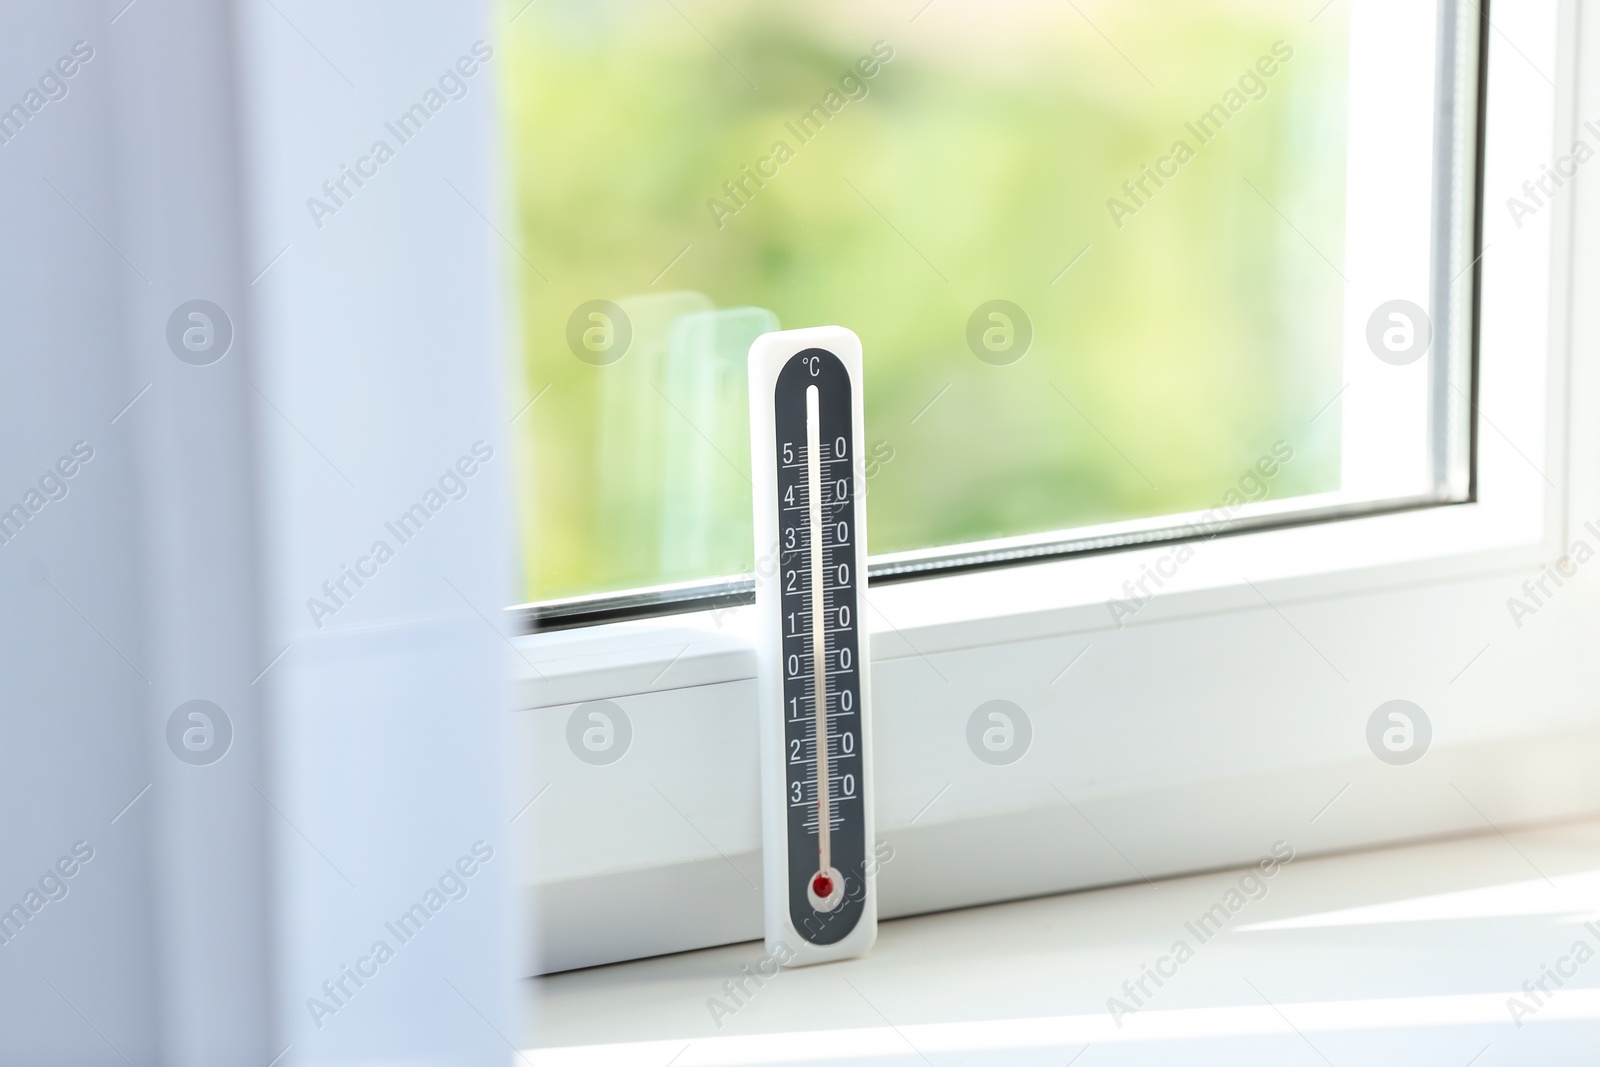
(1369,957)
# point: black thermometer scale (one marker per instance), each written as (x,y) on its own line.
(810,526)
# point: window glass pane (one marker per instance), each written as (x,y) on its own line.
(1096,254)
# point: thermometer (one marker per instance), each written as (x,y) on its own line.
(810,526)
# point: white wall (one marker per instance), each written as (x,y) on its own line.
(76,746)
(367,760)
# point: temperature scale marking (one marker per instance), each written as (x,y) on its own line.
(823,882)
(813,682)
(815,480)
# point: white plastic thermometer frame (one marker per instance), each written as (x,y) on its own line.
(768,355)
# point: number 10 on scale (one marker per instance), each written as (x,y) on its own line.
(805,428)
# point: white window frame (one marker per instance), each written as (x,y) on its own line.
(1224,715)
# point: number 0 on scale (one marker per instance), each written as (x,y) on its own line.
(810,525)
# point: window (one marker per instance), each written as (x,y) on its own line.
(1229,706)
(1123,272)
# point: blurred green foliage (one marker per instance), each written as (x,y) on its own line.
(979,163)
